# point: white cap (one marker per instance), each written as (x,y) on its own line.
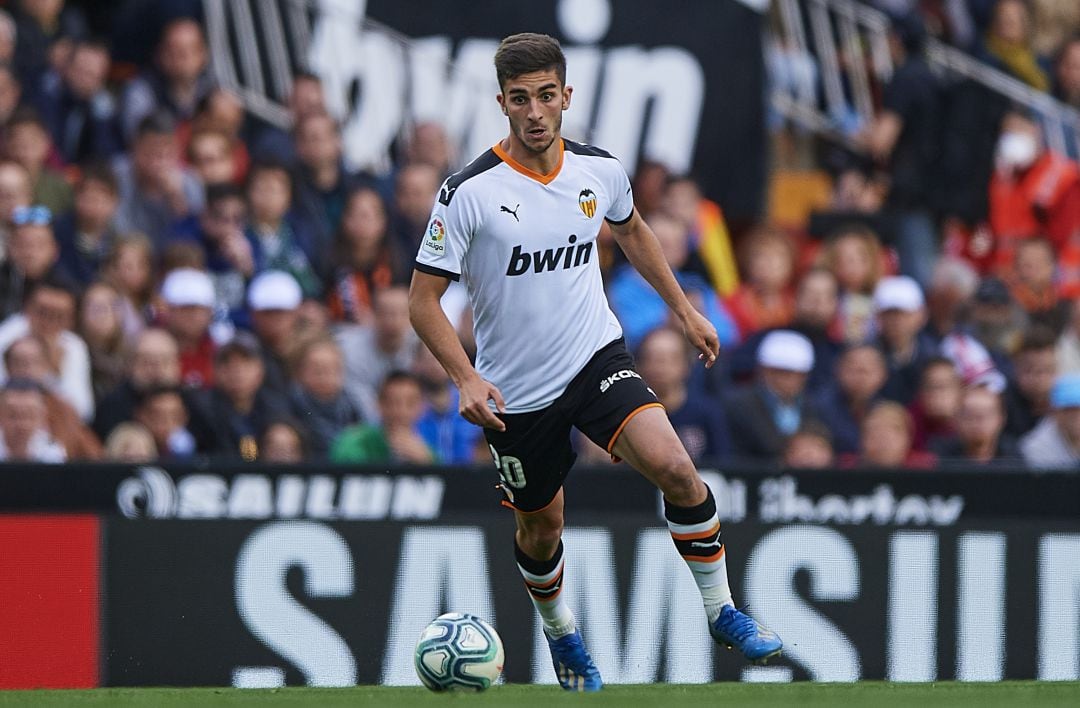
(274,290)
(787,350)
(898,292)
(187,286)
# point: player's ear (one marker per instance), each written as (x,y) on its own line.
(502,102)
(567,90)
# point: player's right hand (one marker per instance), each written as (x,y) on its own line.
(473,405)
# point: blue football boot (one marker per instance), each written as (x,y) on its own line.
(735,629)
(573,665)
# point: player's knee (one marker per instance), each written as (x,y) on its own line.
(678,479)
(539,536)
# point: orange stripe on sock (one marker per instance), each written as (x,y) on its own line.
(711,559)
(546,585)
(618,431)
(696,536)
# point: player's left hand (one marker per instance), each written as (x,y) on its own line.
(700,332)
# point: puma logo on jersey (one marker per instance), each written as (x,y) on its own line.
(564,257)
(446,194)
(607,382)
(512,212)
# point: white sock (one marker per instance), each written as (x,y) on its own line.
(696,532)
(544,579)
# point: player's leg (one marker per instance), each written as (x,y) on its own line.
(534,456)
(649,444)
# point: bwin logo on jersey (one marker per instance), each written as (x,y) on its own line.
(549,259)
(587,201)
(607,382)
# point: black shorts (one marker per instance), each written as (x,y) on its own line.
(535,453)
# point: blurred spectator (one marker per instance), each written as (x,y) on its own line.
(809,448)
(664,363)
(396,437)
(317,395)
(32,257)
(901,316)
(210,153)
(130,443)
(218,231)
(129,269)
(87,233)
(710,253)
(240,406)
(764,414)
(859,376)
(322,183)
(155,361)
(1027,400)
(887,435)
(44,30)
(27,359)
(650,181)
(10,93)
(1055,441)
(179,79)
(282,443)
(101,326)
(1068,344)
(372,352)
(996,320)
(279,240)
(972,361)
(1053,23)
(1033,287)
(853,254)
(905,135)
(415,189)
(641,309)
(1034,192)
(15,192)
(979,425)
(8,36)
(368,259)
(156,190)
(188,297)
(816,304)
(27,142)
(305,99)
(220,112)
(1067,73)
(77,109)
(49,314)
(428,144)
(952,285)
(452,438)
(764,300)
(1007,45)
(274,299)
(23,433)
(163,412)
(934,409)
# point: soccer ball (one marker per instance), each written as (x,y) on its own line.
(458,651)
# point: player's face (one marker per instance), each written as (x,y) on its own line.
(534,103)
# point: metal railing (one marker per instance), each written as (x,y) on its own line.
(848,45)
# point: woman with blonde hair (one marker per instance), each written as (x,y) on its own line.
(131,443)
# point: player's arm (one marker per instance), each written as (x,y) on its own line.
(433,327)
(642,249)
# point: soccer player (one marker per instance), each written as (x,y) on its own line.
(519,226)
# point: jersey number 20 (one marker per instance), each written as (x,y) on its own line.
(510,469)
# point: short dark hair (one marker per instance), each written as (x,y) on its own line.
(221,191)
(145,397)
(269,165)
(102,174)
(1037,338)
(157,123)
(398,376)
(26,115)
(527,52)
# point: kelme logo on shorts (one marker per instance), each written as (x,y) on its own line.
(435,237)
(606,383)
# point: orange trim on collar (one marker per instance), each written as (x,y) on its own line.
(531,174)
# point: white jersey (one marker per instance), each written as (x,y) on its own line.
(525,245)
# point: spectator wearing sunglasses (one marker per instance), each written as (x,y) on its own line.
(32,256)
(29,144)
(49,315)
(86,234)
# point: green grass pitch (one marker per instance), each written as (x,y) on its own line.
(733,695)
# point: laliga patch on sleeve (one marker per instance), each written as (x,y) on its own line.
(435,237)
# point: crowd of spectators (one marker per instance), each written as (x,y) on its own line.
(179,280)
